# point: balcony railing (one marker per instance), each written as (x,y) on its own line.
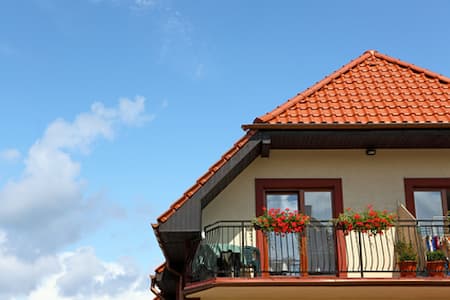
(236,249)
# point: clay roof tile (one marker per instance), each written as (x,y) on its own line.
(373,79)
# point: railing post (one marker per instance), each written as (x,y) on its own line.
(360,255)
(242,245)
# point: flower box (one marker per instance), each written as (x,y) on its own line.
(281,222)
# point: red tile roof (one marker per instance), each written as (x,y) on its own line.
(372,89)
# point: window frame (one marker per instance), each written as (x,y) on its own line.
(264,185)
(424,184)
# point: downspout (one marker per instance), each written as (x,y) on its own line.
(180,280)
(176,273)
(153,288)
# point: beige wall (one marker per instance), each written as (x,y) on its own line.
(376,180)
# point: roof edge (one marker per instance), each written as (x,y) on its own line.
(412,67)
(367,54)
(343,126)
(203,179)
(270,115)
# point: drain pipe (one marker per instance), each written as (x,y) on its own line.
(180,281)
(153,288)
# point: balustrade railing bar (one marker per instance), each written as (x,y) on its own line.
(229,249)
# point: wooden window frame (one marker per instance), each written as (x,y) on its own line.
(263,185)
(423,184)
(296,184)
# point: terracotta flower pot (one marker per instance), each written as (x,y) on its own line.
(408,268)
(436,268)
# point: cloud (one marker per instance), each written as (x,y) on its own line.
(144,4)
(71,276)
(85,275)
(135,5)
(47,207)
(10,155)
(199,71)
(165,103)
(177,37)
(19,275)
(180,47)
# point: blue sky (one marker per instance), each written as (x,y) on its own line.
(111,109)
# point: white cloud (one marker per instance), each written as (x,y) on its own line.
(18,275)
(69,276)
(47,208)
(177,40)
(165,103)
(135,5)
(199,71)
(144,3)
(85,275)
(131,112)
(10,155)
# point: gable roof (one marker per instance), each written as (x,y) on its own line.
(374,89)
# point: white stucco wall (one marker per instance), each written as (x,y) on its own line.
(376,180)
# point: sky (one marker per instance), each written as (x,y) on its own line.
(111,110)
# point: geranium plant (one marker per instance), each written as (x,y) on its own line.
(370,220)
(281,221)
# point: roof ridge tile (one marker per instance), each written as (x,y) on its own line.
(372,79)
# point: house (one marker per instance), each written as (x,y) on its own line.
(376,131)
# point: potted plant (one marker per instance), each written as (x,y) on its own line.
(407,259)
(370,221)
(436,261)
(281,222)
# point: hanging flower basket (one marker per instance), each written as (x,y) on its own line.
(281,222)
(370,221)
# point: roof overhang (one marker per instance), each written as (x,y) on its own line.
(182,223)
(352,137)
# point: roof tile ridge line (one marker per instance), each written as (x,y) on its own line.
(315,87)
(161,267)
(412,66)
(197,185)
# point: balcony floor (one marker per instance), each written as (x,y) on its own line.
(322,288)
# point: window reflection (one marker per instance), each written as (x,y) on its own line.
(284,250)
(429,211)
(284,256)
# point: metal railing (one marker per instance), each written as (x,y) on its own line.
(236,249)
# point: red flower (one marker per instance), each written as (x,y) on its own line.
(279,221)
(370,220)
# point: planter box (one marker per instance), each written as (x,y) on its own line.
(408,268)
(436,268)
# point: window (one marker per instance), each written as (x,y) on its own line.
(321,199)
(429,198)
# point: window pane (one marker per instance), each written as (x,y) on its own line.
(318,205)
(429,208)
(284,256)
(428,205)
(282,201)
(320,237)
(447,192)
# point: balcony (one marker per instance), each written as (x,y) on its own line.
(235,250)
